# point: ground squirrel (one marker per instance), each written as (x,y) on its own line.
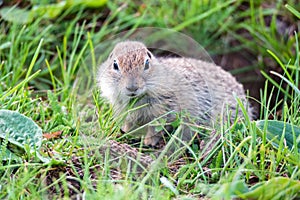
(163,85)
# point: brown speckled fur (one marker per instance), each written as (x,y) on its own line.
(170,84)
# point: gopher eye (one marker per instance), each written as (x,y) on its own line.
(116,66)
(149,54)
(147,64)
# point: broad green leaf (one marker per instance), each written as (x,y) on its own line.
(275,188)
(19,131)
(8,155)
(49,11)
(275,129)
(17,15)
(230,190)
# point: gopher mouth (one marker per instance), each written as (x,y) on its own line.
(135,94)
(132,95)
(135,98)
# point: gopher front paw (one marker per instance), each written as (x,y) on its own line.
(151,141)
(152,138)
(127,126)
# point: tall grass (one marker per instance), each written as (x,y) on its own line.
(44,74)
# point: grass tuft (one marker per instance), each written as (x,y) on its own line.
(46,73)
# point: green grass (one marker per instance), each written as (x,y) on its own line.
(46,69)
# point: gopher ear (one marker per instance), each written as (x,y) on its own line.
(149,54)
(110,56)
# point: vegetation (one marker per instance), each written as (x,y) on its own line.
(47,61)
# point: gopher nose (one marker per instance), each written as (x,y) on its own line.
(132,88)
